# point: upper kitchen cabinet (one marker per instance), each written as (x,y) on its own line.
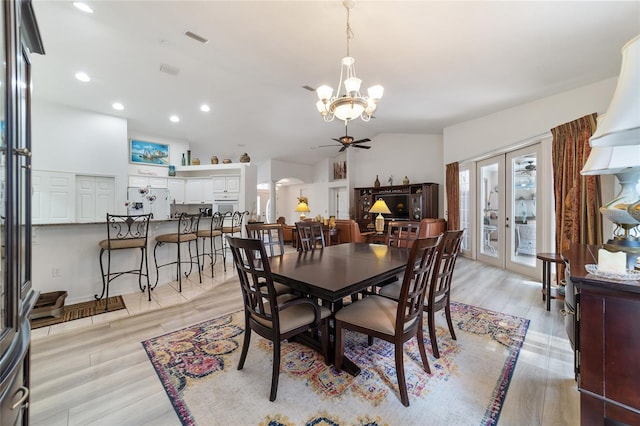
(226,184)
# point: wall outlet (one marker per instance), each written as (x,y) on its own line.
(55,272)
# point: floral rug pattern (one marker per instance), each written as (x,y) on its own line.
(204,353)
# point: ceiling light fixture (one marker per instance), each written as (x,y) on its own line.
(117,106)
(351,104)
(83,7)
(83,77)
(205,108)
(174,118)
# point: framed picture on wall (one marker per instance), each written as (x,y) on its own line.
(143,152)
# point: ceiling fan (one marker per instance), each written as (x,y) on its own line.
(348,141)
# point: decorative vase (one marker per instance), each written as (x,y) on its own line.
(377,182)
(226,161)
(188,157)
(244,158)
(332,222)
(214,160)
(195,161)
(405,181)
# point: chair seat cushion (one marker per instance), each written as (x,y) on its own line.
(391,291)
(231,229)
(123,244)
(295,316)
(173,238)
(209,233)
(373,312)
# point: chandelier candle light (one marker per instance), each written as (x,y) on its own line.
(380,207)
(351,104)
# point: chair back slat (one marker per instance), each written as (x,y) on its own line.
(421,261)
(217,220)
(188,224)
(448,251)
(310,235)
(271,235)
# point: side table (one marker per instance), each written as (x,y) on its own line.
(547,259)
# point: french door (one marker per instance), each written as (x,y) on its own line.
(506,210)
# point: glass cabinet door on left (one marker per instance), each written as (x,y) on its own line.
(4,297)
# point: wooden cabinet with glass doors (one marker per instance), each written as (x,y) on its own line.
(19,39)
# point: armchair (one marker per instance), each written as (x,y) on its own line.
(350,231)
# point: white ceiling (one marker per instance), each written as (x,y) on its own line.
(441,63)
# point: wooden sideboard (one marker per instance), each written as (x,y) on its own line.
(608,324)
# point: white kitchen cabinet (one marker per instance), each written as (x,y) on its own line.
(176,189)
(151,181)
(226,184)
(53,197)
(95,197)
(194,190)
(207,194)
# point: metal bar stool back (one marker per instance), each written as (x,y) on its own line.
(124,232)
(187,233)
(214,230)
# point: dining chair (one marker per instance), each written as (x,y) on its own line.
(395,321)
(125,232)
(211,233)
(403,233)
(187,233)
(270,316)
(310,235)
(272,236)
(439,292)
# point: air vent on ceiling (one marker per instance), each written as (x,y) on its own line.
(169,69)
(196,37)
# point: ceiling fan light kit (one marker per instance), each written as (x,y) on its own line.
(351,104)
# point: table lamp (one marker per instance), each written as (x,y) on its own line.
(380,207)
(302,208)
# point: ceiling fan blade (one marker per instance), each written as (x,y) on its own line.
(362,140)
(362,146)
(337,140)
(323,146)
(342,149)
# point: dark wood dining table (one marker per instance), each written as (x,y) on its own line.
(339,271)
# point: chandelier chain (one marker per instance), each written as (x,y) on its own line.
(349,32)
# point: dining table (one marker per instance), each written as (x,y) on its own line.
(334,273)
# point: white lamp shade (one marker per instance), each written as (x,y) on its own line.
(352,85)
(324,92)
(621,124)
(375,92)
(612,160)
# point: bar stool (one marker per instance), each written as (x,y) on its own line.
(215,230)
(187,233)
(124,232)
(235,227)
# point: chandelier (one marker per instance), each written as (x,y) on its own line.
(351,104)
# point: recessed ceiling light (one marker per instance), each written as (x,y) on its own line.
(174,118)
(83,6)
(205,108)
(117,106)
(83,77)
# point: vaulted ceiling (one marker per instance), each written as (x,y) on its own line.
(441,63)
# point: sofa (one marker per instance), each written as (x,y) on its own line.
(287,230)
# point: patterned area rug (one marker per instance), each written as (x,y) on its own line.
(467,386)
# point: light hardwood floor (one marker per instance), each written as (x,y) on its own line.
(95,371)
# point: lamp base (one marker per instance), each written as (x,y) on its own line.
(379,224)
(302,216)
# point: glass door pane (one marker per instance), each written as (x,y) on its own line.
(466,214)
(490,206)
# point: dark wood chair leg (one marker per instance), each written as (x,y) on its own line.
(245,345)
(423,352)
(447,312)
(432,333)
(402,383)
(275,375)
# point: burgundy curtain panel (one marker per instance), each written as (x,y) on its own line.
(453,196)
(577,198)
